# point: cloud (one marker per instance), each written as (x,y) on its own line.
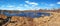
(26,5)
(10,6)
(58,2)
(27,1)
(20,7)
(7,7)
(51,4)
(31,3)
(2,7)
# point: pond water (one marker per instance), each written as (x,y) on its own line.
(27,14)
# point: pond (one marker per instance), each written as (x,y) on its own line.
(27,14)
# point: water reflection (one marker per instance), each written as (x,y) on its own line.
(27,14)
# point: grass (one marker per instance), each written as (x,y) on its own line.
(53,20)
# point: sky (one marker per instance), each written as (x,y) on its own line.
(28,4)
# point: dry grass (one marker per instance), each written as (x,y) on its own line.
(20,21)
(3,16)
(53,20)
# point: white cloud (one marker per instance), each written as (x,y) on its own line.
(51,4)
(20,7)
(58,2)
(31,3)
(33,6)
(7,7)
(10,6)
(27,1)
(26,5)
(2,8)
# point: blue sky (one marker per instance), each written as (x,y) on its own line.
(28,4)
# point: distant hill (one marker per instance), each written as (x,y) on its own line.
(54,10)
(40,10)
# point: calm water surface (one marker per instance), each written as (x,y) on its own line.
(27,14)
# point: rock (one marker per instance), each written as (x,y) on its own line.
(3,16)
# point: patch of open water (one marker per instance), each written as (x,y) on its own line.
(27,14)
